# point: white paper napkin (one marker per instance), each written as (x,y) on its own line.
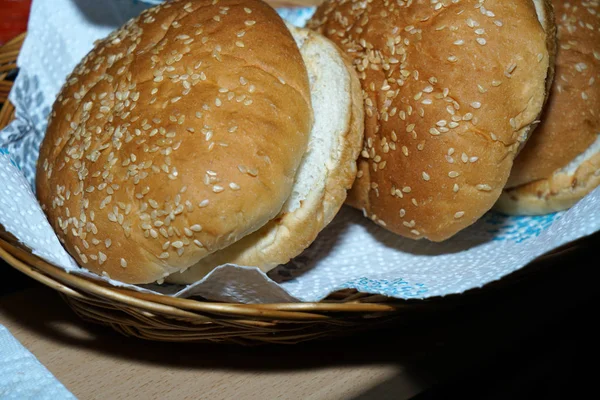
(22,377)
(351,253)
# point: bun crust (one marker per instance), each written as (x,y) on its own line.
(339,114)
(450,93)
(571,121)
(559,192)
(177,135)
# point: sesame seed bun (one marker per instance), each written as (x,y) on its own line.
(177,135)
(561,163)
(560,191)
(571,121)
(327,171)
(451,92)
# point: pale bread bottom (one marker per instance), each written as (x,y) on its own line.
(561,191)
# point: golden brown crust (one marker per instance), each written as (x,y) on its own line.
(557,193)
(450,94)
(166,130)
(570,122)
(292,232)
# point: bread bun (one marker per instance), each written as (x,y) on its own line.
(571,121)
(561,162)
(560,191)
(327,171)
(451,91)
(177,135)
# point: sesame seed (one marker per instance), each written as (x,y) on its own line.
(476,104)
(509,70)
(453,174)
(196,228)
(459,214)
(580,67)
(471,23)
(484,187)
(425,176)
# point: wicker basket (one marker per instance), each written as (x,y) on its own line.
(163,318)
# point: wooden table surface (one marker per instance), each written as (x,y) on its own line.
(95,363)
(490,345)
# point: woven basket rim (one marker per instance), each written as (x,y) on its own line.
(71,285)
(55,277)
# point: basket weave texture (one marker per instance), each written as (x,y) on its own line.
(163,318)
